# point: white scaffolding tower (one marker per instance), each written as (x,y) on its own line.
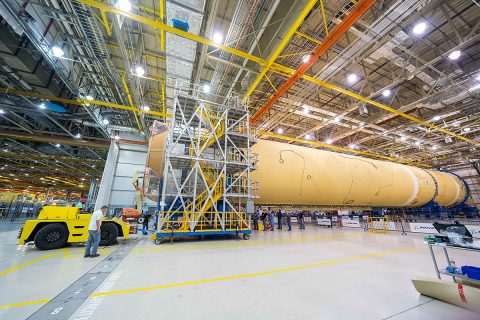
(206,179)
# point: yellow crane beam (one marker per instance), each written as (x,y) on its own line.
(46,158)
(272,65)
(282,45)
(82,102)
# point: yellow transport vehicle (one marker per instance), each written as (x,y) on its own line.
(57,226)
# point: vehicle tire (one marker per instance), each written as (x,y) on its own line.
(108,234)
(51,236)
(246,236)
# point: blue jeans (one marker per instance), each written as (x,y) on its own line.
(93,236)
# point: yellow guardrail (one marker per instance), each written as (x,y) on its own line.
(206,222)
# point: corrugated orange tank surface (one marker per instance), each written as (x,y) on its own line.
(295,175)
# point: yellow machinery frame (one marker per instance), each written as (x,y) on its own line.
(75,222)
(378,224)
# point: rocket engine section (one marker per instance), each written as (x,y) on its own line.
(295,175)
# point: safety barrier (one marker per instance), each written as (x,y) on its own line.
(19,211)
(396,224)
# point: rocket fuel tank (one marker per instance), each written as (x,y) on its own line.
(296,175)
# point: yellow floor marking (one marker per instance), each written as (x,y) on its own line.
(26,264)
(226,278)
(249,275)
(26,303)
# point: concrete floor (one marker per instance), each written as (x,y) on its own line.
(304,274)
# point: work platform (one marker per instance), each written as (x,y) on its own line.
(206,187)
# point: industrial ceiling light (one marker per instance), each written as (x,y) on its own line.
(336,120)
(352,78)
(434,147)
(417,143)
(146,108)
(467,129)
(1,111)
(139,70)
(436,118)
(306,110)
(279,130)
(217,38)
(206,88)
(105,121)
(419,28)
(57,145)
(42,106)
(306,58)
(351,146)
(403,138)
(308,137)
(454,55)
(386,93)
(116,137)
(478,77)
(124,5)
(329,141)
(78,135)
(89,98)
(57,52)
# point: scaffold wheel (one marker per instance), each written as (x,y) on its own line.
(158,241)
(246,236)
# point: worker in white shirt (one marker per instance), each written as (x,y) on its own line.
(94,232)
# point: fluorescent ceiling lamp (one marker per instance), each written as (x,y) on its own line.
(217,37)
(419,28)
(306,58)
(386,93)
(454,55)
(279,130)
(146,108)
(105,121)
(89,98)
(57,51)
(139,70)
(352,77)
(124,5)
(206,88)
